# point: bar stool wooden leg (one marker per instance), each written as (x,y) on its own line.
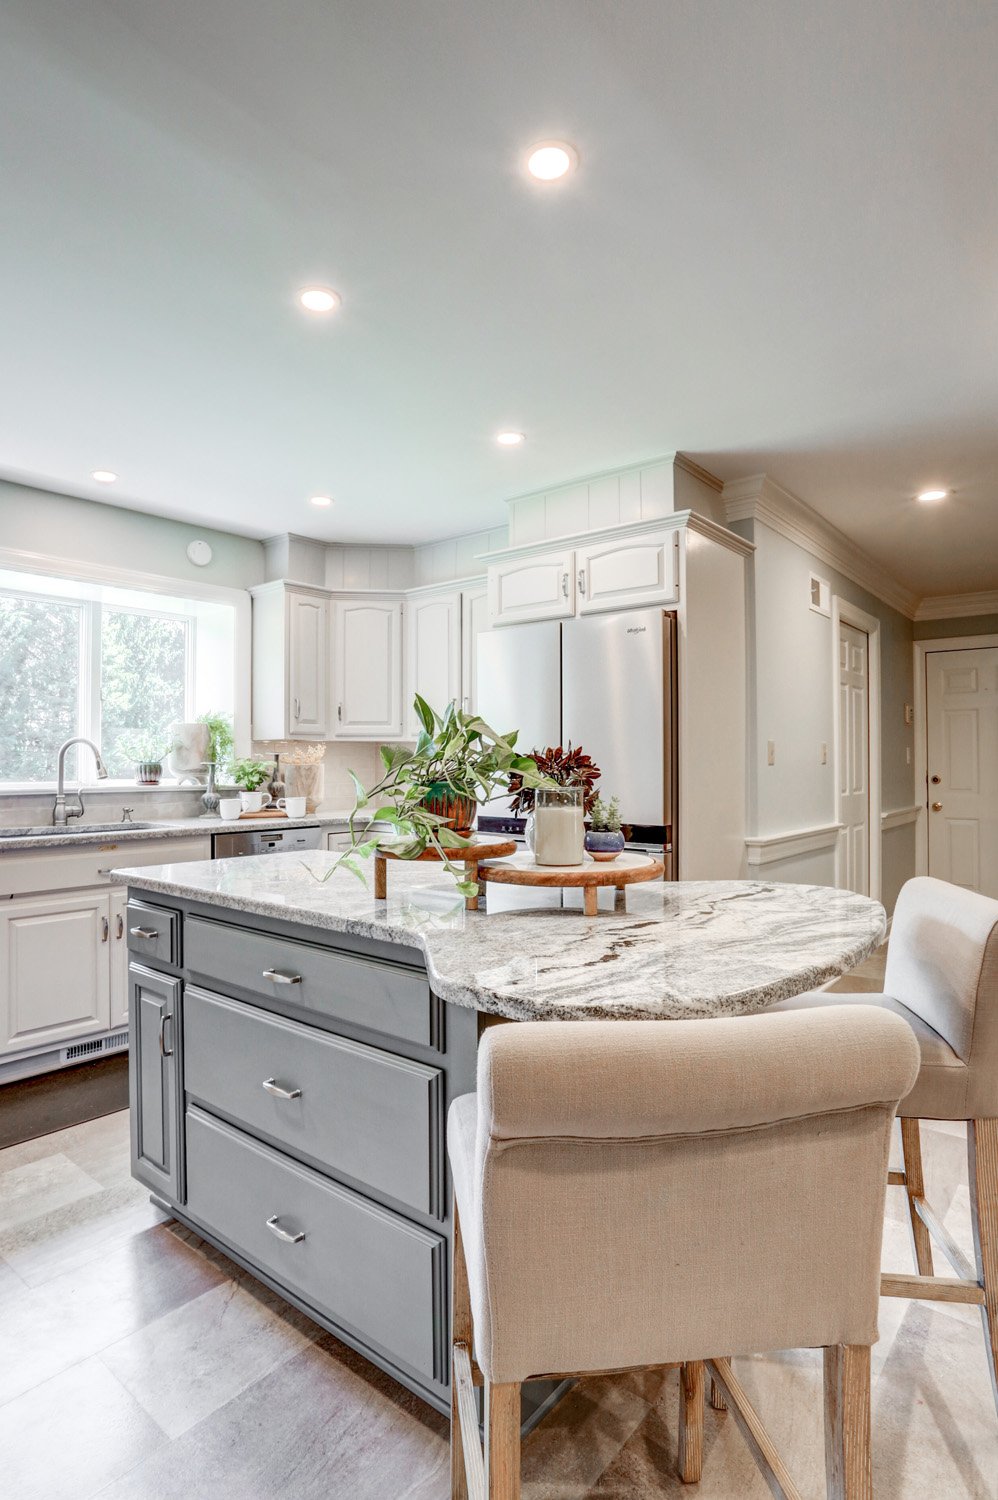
(462,1334)
(848,1474)
(691,1404)
(717,1400)
(982,1149)
(921,1240)
(502,1441)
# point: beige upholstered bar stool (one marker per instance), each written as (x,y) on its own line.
(634,1194)
(942,978)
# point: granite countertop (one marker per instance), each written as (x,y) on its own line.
(680,950)
(173,828)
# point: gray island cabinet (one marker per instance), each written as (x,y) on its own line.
(296,1043)
(289,1094)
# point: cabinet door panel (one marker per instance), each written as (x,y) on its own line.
(433,654)
(474,619)
(54,969)
(308,666)
(368,669)
(534,588)
(154,1081)
(118,958)
(624,574)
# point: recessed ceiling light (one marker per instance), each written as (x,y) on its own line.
(927,496)
(549,160)
(104,476)
(319,299)
(509,439)
(320,500)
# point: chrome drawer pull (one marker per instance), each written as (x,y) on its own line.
(274,1225)
(279,977)
(143,932)
(273,1087)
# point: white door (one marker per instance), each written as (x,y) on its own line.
(962,762)
(628,572)
(432,654)
(532,588)
(368,654)
(54,969)
(308,666)
(474,619)
(853,758)
(118,958)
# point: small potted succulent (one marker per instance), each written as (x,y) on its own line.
(250,776)
(146,754)
(604,839)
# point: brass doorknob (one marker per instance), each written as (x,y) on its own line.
(937,807)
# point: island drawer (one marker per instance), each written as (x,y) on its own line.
(359,991)
(154,931)
(356,1263)
(364,1113)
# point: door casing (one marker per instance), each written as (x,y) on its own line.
(843,612)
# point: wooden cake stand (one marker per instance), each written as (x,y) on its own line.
(625,870)
(470,856)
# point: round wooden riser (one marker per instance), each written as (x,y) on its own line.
(470,856)
(523,869)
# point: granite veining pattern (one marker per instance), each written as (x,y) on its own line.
(680,950)
(173,828)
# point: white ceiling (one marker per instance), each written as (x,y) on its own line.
(780,253)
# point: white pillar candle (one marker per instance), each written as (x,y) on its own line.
(559,836)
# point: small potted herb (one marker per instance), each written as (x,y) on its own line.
(604,840)
(249,776)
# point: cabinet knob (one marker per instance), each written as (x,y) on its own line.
(937,807)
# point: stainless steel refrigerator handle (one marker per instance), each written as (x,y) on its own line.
(273,1087)
(274,1225)
(582,580)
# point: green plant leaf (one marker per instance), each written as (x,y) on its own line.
(361,794)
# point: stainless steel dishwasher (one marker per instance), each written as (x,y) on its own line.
(266,841)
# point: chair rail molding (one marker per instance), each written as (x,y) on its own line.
(898,817)
(759,498)
(767,849)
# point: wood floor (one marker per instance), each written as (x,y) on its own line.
(136,1363)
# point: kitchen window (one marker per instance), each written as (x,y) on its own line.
(117,665)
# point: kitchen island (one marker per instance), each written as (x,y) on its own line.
(296,1044)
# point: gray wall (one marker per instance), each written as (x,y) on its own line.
(792,686)
(930,630)
(65,528)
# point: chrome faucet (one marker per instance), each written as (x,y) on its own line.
(61,814)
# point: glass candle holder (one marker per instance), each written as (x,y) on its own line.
(559,830)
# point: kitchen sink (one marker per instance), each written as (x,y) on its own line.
(71,830)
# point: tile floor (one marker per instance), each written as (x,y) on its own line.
(137,1363)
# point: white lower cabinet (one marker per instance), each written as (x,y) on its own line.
(55,968)
(118,944)
(367,651)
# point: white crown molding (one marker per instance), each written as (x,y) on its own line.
(957,606)
(898,817)
(690,466)
(759,498)
(776,846)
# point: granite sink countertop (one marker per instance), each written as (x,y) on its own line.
(680,950)
(167,828)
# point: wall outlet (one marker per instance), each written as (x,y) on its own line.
(771,752)
(909,713)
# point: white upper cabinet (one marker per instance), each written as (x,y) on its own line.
(290,663)
(308,666)
(432,653)
(626,572)
(367,679)
(532,588)
(474,619)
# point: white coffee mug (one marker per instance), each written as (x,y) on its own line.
(251,801)
(229,807)
(293,806)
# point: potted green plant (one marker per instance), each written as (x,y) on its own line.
(430,792)
(147,753)
(220,739)
(249,776)
(605,839)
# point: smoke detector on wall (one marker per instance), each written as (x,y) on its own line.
(199,553)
